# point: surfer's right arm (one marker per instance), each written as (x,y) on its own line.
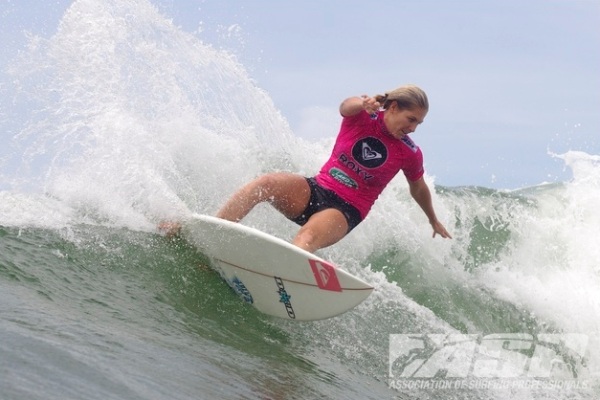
(353,105)
(420,192)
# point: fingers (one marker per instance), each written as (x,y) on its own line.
(438,229)
(443,234)
(370,104)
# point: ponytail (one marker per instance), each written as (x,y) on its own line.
(406,97)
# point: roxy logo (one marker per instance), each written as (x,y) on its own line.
(369,152)
(510,355)
(354,167)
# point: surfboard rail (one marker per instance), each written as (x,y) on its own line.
(273,275)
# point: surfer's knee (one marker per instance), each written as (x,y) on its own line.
(312,238)
(307,239)
(323,229)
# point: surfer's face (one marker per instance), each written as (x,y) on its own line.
(400,122)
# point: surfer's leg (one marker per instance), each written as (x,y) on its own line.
(288,193)
(323,229)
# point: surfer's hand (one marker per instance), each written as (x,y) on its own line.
(438,229)
(370,104)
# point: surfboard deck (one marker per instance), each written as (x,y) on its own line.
(276,277)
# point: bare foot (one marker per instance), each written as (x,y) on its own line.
(169,229)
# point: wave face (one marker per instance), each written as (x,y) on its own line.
(121,120)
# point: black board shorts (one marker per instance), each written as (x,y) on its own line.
(322,199)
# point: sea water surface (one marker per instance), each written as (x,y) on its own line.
(121,120)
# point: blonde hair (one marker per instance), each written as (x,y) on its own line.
(407,97)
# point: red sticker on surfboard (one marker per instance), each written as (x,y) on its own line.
(325,276)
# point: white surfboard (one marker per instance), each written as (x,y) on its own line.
(276,277)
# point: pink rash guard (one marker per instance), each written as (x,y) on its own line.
(364,160)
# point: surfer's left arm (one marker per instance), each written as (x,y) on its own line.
(420,192)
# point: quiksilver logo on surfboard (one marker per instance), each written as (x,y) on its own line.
(325,276)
